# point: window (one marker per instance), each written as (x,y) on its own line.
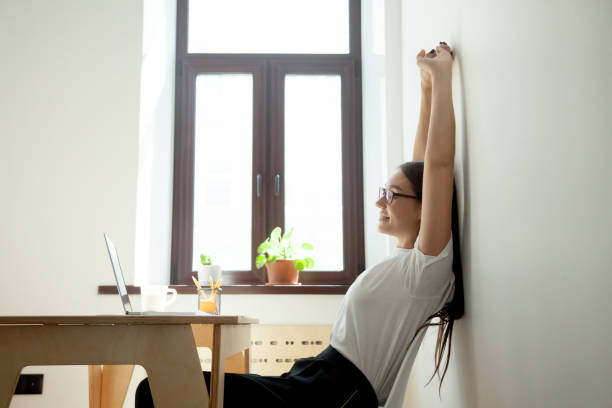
(268,133)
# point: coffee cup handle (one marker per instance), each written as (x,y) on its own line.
(173,298)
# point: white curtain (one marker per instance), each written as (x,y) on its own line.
(383,130)
(155,155)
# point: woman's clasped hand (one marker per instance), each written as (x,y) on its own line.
(437,61)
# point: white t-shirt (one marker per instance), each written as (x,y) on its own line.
(385,306)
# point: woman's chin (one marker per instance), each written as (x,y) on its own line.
(383,227)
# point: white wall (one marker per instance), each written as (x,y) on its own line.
(68,153)
(69,125)
(69,104)
(532,94)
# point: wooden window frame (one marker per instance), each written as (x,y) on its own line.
(268,146)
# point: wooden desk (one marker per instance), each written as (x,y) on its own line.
(163,345)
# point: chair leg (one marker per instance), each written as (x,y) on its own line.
(115,383)
(236,364)
(95,384)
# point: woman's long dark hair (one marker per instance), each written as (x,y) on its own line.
(453,310)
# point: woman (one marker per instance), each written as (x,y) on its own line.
(380,315)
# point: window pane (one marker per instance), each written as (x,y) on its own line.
(269,26)
(313,166)
(222,216)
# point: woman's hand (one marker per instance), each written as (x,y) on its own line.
(438,62)
(425,75)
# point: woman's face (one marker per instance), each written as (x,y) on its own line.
(401,217)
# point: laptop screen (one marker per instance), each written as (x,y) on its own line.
(112,252)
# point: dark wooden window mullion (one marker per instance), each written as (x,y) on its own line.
(276,160)
(353,222)
(182,213)
(180,114)
(352,179)
(261,142)
(182,29)
(355,29)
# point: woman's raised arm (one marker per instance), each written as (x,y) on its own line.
(420,143)
(438,172)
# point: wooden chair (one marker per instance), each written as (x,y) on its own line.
(108,384)
(274,348)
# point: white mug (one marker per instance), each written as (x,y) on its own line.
(154,298)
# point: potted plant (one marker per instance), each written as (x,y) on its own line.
(208,271)
(277,253)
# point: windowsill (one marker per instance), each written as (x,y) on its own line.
(244,289)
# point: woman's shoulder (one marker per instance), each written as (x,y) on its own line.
(422,258)
(425,275)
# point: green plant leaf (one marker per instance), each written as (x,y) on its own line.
(272,259)
(274,250)
(205,259)
(288,234)
(309,263)
(299,264)
(307,246)
(275,234)
(260,259)
(263,247)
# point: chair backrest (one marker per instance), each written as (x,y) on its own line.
(274,348)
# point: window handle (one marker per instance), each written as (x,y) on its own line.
(277,185)
(259,185)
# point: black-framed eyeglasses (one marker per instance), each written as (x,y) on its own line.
(388,194)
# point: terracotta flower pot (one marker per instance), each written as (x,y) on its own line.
(282,272)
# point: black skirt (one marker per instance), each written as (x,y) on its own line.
(326,380)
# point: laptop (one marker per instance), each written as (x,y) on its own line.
(125,299)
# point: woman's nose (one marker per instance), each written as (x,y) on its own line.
(380,202)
